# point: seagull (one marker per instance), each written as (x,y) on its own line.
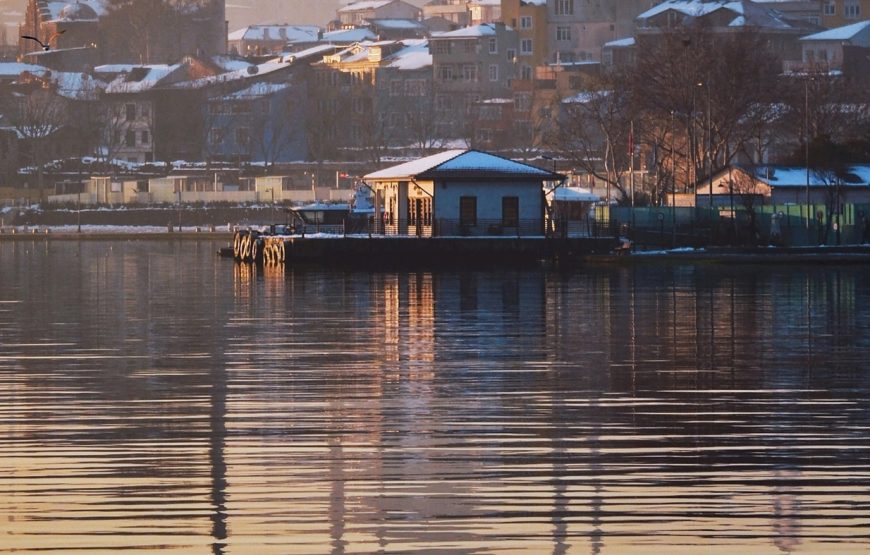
(47,45)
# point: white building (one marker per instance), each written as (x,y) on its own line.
(461,192)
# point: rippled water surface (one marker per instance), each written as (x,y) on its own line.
(154,397)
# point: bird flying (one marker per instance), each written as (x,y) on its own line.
(45,45)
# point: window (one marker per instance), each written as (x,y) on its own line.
(131,111)
(243,137)
(490,112)
(526,47)
(130,138)
(441,46)
(851,9)
(144,111)
(493,72)
(445,73)
(469,72)
(522,102)
(830,8)
(511,54)
(443,103)
(493,45)
(216,136)
(564,7)
(145,137)
(415,87)
(467,211)
(510,211)
(526,22)
(395,88)
(563,33)
(526,73)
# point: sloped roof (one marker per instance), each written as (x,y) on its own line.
(745,13)
(462,163)
(288,33)
(414,56)
(473,32)
(364,5)
(796,176)
(349,35)
(845,33)
(396,23)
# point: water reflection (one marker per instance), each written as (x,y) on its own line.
(154,397)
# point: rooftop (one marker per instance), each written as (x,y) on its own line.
(463,163)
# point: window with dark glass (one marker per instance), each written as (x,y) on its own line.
(467,211)
(510,211)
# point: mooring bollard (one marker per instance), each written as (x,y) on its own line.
(169,227)
(198,230)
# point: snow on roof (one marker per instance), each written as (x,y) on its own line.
(140,78)
(461,162)
(289,33)
(14,69)
(746,13)
(791,176)
(415,55)
(585,97)
(78,86)
(349,35)
(476,31)
(695,8)
(847,32)
(486,2)
(257,90)
(364,5)
(229,64)
(574,194)
(396,23)
(620,43)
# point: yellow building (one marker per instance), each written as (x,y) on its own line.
(529,19)
(836,13)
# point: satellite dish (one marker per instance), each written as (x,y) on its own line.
(253,70)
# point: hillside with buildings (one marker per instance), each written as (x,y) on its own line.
(641,103)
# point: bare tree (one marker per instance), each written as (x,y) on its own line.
(716,90)
(272,130)
(592,131)
(38,117)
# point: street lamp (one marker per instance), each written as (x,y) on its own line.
(807,145)
(673,186)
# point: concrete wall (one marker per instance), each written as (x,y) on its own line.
(489,199)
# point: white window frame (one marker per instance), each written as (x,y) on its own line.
(526,22)
(524,43)
(564,7)
(493,72)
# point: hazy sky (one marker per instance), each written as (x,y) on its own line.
(315,12)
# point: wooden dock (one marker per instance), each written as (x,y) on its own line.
(379,251)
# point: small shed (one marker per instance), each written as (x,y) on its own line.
(461,193)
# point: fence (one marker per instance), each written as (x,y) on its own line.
(785,225)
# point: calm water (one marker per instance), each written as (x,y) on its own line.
(156,398)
